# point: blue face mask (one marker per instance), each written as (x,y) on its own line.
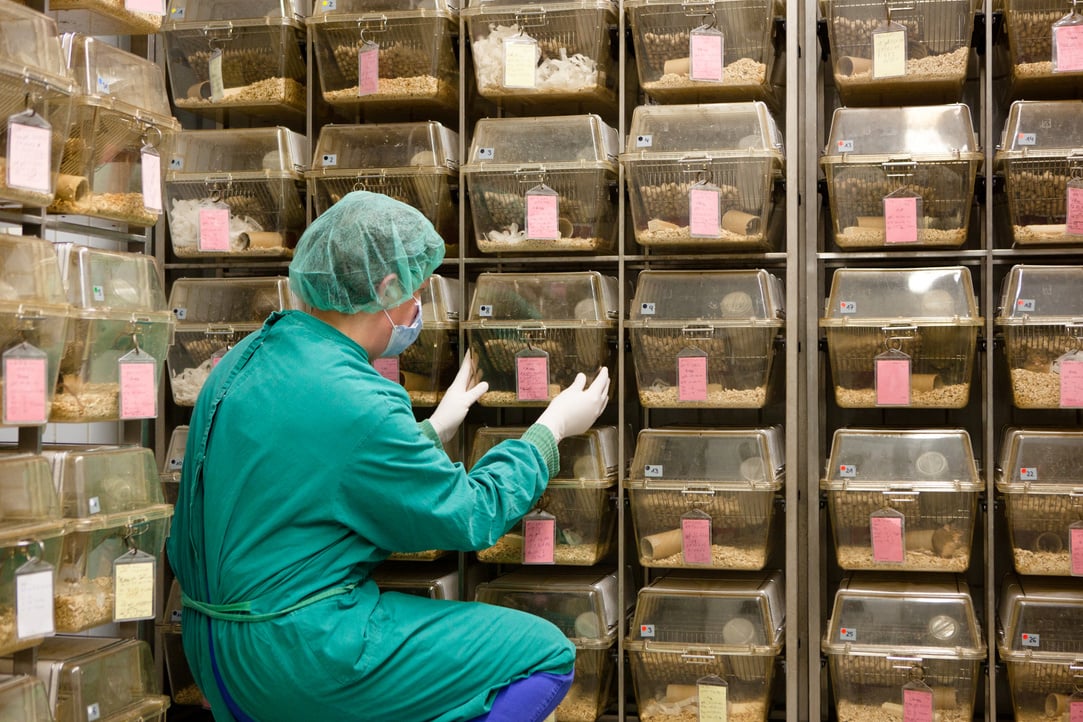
(403,336)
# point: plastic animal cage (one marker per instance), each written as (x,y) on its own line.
(22,699)
(1036,70)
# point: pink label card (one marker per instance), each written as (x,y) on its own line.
(704,213)
(542,221)
(692,378)
(892,382)
(1075,711)
(138,396)
(706,57)
(900,220)
(696,541)
(917,705)
(1068,40)
(152,181)
(25,391)
(1075,544)
(214,229)
(29,157)
(154,7)
(387,367)
(368,70)
(539,541)
(532,378)
(1074,222)
(887,539)
(1071,383)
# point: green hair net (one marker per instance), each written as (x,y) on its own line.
(342,259)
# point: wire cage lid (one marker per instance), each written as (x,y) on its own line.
(919,133)
(1043,460)
(187,14)
(336,11)
(1038,129)
(902,459)
(715,130)
(482,7)
(878,296)
(748,459)
(1035,294)
(1040,618)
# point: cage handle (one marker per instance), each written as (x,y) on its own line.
(371,23)
(530,17)
(697,658)
(694,331)
(901,168)
(697,492)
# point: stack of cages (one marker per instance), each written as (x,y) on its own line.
(212,315)
(901,178)
(22,699)
(121,130)
(531,333)
(1041,317)
(576,515)
(34,318)
(236,193)
(427,367)
(1038,623)
(705,339)
(387,55)
(901,647)
(167,634)
(109,17)
(230,55)
(31,536)
(706,52)
(98,679)
(113,502)
(416,163)
(889,53)
(1039,479)
(538,54)
(36,92)
(1041,158)
(706,498)
(585,604)
(704,176)
(119,319)
(902,337)
(707,645)
(173,464)
(543,185)
(1041,49)
(902,500)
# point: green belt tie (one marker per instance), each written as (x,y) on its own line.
(242,611)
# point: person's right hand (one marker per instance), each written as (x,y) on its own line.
(577,407)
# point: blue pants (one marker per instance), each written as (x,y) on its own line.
(530,699)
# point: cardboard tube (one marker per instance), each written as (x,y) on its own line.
(741,223)
(71,187)
(681,692)
(657,224)
(1056,705)
(415,382)
(851,65)
(199,91)
(677,66)
(1049,542)
(565,227)
(870,222)
(262,239)
(924,382)
(661,545)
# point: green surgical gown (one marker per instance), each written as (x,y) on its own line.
(304,469)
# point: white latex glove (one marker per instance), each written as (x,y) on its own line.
(577,408)
(458,399)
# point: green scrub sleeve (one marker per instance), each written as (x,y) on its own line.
(427,430)
(542,437)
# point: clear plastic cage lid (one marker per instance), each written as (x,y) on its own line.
(1042,129)
(1040,617)
(329,9)
(506,6)
(23,699)
(411,146)
(922,132)
(747,458)
(585,459)
(228,300)
(1041,294)
(106,481)
(258,151)
(174,455)
(729,611)
(717,129)
(28,502)
(583,603)
(31,275)
(1036,459)
(440,303)
(932,460)
(932,296)
(733,297)
(104,71)
(195,12)
(110,280)
(568,141)
(915,615)
(172,610)
(29,43)
(578,298)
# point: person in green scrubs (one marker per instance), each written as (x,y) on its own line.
(305,468)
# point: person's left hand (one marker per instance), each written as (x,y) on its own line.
(457,401)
